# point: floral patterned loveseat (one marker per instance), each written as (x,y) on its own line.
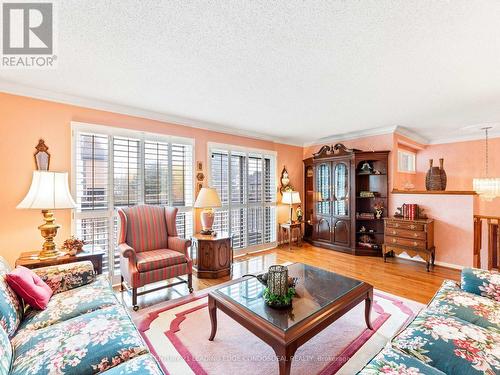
(458,332)
(83,330)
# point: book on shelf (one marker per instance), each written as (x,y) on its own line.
(365,215)
(410,211)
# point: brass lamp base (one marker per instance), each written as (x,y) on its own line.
(49,231)
(42,255)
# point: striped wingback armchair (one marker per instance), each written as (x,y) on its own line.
(150,250)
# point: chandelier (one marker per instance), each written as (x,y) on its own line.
(487,188)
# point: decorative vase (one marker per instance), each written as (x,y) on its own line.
(73,251)
(444,178)
(378,213)
(435,179)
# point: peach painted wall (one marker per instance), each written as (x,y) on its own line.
(462,162)
(24,120)
(400,179)
(453,224)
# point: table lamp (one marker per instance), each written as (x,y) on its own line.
(48,191)
(291,198)
(207,199)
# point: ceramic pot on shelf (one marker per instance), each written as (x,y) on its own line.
(435,179)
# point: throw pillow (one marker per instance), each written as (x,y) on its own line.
(30,287)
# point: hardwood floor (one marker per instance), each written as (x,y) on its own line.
(398,276)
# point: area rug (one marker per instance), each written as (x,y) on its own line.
(178,336)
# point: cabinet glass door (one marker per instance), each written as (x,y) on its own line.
(323,189)
(341,190)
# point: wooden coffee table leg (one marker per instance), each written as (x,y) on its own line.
(368,309)
(285,356)
(212,311)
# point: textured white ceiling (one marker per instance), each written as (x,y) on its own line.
(295,70)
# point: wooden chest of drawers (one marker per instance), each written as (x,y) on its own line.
(413,237)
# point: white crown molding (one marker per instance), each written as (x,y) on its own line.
(352,135)
(465,138)
(371,132)
(412,135)
(32,92)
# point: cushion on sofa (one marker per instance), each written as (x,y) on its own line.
(481,282)
(451,300)
(5,352)
(451,345)
(157,259)
(141,365)
(391,361)
(10,305)
(83,345)
(70,304)
(63,277)
(30,287)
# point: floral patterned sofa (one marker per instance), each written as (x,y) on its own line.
(458,332)
(83,330)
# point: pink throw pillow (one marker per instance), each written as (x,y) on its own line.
(30,287)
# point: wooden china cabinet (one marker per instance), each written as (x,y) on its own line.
(342,186)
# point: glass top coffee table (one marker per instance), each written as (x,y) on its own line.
(322,297)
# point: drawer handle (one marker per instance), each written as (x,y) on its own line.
(394,240)
(394,232)
(397,225)
(415,243)
(415,234)
(412,226)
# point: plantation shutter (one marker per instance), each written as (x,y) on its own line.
(156,173)
(246,185)
(126,172)
(114,170)
(220,181)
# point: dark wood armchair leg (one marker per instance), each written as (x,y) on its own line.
(134,299)
(190,283)
(121,284)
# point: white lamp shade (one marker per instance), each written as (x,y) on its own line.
(207,198)
(48,191)
(291,197)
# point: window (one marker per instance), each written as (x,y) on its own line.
(118,168)
(406,161)
(246,183)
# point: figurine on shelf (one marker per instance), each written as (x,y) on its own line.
(408,186)
(365,238)
(379,209)
(299,214)
(362,229)
(366,168)
(399,212)
(365,241)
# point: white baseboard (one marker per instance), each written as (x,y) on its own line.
(438,263)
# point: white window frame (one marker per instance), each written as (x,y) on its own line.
(247,151)
(110,212)
(413,155)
